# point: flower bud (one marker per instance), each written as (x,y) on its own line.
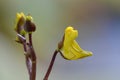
(29,26)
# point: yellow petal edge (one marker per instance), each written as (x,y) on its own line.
(18,17)
(71,50)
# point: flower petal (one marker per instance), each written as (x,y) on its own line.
(70,49)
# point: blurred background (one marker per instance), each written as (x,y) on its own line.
(98,23)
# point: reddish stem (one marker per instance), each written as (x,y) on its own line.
(32,58)
(30,38)
(51,65)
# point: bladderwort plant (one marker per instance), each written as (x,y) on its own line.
(68,48)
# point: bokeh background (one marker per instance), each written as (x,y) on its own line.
(98,23)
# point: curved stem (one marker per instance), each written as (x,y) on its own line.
(50,66)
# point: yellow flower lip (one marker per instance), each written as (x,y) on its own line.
(69,48)
(70,32)
(70,29)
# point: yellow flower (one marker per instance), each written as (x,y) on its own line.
(20,20)
(24,24)
(70,49)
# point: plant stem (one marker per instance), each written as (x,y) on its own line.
(30,38)
(23,39)
(50,66)
(33,73)
(32,58)
(33,66)
(28,65)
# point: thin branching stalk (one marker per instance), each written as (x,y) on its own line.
(30,56)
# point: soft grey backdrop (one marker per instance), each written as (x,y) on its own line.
(98,23)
